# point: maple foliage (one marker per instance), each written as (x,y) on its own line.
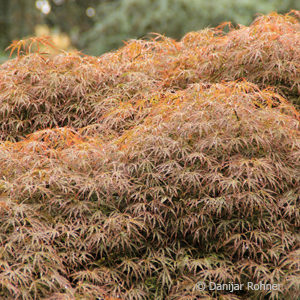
(28,44)
(139,173)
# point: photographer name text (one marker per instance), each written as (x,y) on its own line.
(231,287)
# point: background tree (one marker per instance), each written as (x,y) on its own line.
(119,20)
(19,18)
(110,22)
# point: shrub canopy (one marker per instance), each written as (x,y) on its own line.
(139,173)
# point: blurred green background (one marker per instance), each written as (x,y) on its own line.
(98,26)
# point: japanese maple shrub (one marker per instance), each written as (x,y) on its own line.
(143,172)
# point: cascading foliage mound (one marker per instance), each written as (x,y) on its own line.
(144,172)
